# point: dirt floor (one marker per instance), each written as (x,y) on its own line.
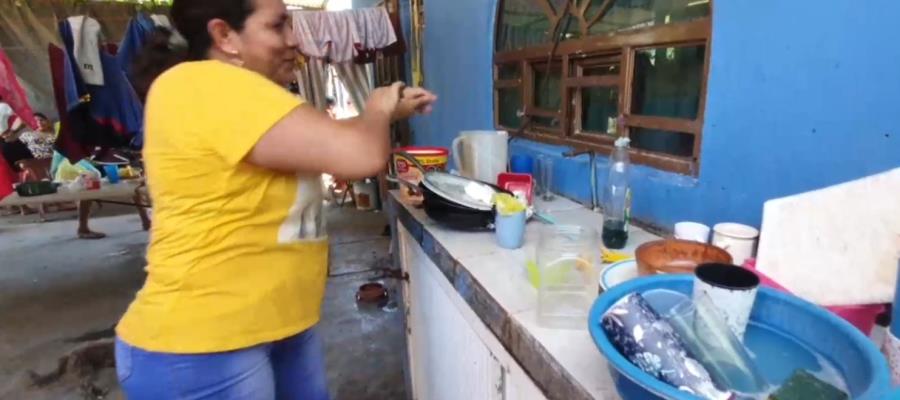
(58,294)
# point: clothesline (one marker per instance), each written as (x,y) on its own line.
(342,36)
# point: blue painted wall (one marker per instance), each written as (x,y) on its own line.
(800,96)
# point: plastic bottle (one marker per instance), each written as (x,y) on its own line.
(617,198)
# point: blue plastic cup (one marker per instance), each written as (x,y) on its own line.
(521,164)
(510,230)
(112,173)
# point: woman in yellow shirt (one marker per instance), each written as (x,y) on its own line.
(236,264)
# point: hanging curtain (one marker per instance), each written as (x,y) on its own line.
(312,75)
(358,79)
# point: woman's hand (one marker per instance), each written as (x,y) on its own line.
(414,100)
(384,101)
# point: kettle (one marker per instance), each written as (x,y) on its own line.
(481,155)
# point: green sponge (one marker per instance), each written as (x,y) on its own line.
(804,386)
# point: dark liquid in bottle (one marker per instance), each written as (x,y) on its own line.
(614,234)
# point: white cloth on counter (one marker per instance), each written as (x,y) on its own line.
(87,36)
(336,35)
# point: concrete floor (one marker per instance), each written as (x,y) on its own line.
(54,287)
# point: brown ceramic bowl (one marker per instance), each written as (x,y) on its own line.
(672,256)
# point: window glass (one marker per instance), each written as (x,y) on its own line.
(599,109)
(522,24)
(545,122)
(599,70)
(672,143)
(546,86)
(667,81)
(509,71)
(509,104)
(626,15)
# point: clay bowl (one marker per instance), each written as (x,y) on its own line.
(672,256)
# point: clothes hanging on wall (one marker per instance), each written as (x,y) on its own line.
(336,35)
(87,39)
(12,93)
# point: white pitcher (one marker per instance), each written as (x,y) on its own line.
(481,155)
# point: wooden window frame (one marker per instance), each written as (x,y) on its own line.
(574,54)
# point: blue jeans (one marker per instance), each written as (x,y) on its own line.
(292,368)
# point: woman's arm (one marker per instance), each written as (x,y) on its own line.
(307,140)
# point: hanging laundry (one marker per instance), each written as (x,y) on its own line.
(77,138)
(12,93)
(115,104)
(373,27)
(336,35)
(92,115)
(6,116)
(87,36)
(162,21)
(7,178)
(136,36)
(366,56)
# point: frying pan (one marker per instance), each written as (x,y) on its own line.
(454,201)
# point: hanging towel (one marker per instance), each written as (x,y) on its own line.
(336,35)
(87,36)
(365,56)
(12,93)
(373,27)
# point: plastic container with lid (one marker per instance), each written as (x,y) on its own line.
(566,259)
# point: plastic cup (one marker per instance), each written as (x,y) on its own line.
(694,231)
(112,173)
(545,177)
(710,339)
(510,230)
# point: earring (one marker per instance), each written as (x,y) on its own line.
(236,58)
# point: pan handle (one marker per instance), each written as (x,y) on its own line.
(413,188)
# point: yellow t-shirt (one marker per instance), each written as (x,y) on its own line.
(237,253)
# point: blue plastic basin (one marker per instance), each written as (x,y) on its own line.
(796,322)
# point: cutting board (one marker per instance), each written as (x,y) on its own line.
(838,245)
